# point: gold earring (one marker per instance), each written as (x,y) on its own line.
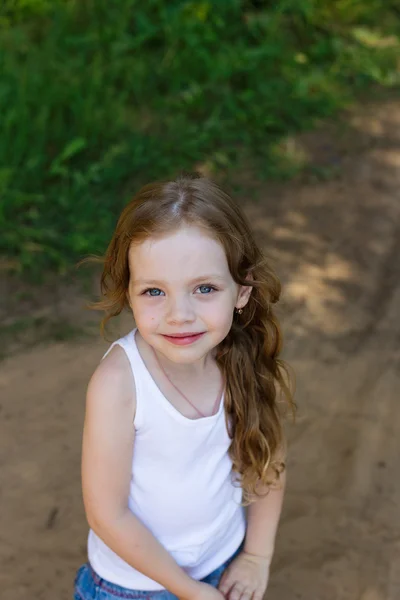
(239,311)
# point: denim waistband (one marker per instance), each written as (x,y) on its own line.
(120,592)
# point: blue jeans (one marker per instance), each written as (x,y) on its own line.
(89,586)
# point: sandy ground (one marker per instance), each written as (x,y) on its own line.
(336,245)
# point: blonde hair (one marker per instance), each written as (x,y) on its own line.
(248,356)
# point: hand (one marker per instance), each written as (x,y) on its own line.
(246,578)
(204,591)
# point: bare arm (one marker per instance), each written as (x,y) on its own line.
(247,576)
(108,442)
(262,522)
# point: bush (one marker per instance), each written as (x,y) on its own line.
(97,96)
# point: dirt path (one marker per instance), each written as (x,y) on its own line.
(337,246)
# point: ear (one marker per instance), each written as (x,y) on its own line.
(244,293)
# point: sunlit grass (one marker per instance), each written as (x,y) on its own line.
(97,98)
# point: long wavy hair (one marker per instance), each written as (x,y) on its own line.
(255,378)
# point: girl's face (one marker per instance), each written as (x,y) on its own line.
(180,284)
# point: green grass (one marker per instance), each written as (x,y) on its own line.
(97,98)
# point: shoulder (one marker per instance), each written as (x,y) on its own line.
(113,381)
(108,438)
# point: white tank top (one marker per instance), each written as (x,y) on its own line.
(182,486)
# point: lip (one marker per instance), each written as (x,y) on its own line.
(184,334)
(183,339)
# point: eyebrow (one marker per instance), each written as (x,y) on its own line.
(193,281)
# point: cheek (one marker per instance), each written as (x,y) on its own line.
(146,314)
(219,321)
(219,311)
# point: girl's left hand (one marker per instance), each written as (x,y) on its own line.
(246,578)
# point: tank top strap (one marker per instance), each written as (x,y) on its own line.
(128,344)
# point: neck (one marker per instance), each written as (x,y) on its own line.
(184,371)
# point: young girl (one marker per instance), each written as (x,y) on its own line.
(182,428)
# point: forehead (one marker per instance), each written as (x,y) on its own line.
(186,253)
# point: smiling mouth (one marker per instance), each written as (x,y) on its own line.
(183,335)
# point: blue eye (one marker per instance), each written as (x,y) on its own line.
(150,291)
(206,289)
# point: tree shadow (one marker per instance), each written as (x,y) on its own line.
(336,246)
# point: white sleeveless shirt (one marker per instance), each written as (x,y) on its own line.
(182,486)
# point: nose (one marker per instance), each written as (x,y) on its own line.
(180,310)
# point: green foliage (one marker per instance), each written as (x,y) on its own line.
(98,97)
